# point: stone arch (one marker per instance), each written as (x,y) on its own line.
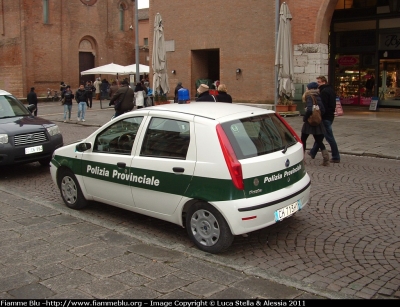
(87,56)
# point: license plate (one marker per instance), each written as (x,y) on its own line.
(31,150)
(287,211)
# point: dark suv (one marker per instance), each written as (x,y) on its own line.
(23,137)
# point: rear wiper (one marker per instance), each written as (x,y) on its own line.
(285,149)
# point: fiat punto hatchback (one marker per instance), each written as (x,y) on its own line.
(217,169)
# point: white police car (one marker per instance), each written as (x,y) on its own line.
(217,169)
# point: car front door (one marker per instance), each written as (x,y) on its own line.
(106,167)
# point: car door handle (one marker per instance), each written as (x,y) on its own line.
(178,169)
(121,164)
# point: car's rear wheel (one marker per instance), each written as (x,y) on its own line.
(70,190)
(207,228)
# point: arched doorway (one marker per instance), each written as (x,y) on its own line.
(86,58)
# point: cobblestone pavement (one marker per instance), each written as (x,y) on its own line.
(345,244)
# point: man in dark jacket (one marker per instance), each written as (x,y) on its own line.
(328,97)
(32,99)
(82,99)
(177,88)
(204,94)
(124,94)
(89,88)
(67,95)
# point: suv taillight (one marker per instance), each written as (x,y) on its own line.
(234,166)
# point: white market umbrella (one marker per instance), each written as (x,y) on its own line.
(131,69)
(159,57)
(108,69)
(284,53)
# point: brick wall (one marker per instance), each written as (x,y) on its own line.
(244,34)
(42,55)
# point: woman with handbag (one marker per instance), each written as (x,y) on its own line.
(139,95)
(311,126)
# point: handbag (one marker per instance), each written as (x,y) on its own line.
(315,118)
(63,101)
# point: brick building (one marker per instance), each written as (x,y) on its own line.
(214,39)
(44,42)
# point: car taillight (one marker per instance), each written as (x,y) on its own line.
(289,127)
(234,166)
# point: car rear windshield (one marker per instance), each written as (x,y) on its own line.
(10,107)
(258,135)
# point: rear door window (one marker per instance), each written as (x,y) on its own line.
(166,138)
(258,135)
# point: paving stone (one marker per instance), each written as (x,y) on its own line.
(218,274)
(73,294)
(154,270)
(267,289)
(167,284)
(111,252)
(104,288)
(232,294)
(78,262)
(138,293)
(6,271)
(179,295)
(156,253)
(16,281)
(106,268)
(69,280)
(49,271)
(113,237)
(32,291)
(204,288)
(131,279)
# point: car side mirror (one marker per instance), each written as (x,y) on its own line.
(83,147)
(31,108)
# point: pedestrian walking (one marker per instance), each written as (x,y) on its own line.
(104,88)
(204,94)
(139,95)
(124,95)
(32,99)
(177,88)
(67,97)
(89,88)
(328,98)
(317,132)
(223,95)
(97,84)
(82,99)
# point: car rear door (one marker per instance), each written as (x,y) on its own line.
(164,162)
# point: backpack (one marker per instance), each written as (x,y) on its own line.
(315,118)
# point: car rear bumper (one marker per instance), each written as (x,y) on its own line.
(250,214)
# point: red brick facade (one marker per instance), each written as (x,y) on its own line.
(242,33)
(34,53)
(209,39)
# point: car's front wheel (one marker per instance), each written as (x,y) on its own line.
(70,190)
(207,228)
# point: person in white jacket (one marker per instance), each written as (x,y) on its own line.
(139,97)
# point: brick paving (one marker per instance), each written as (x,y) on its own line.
(345,244)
